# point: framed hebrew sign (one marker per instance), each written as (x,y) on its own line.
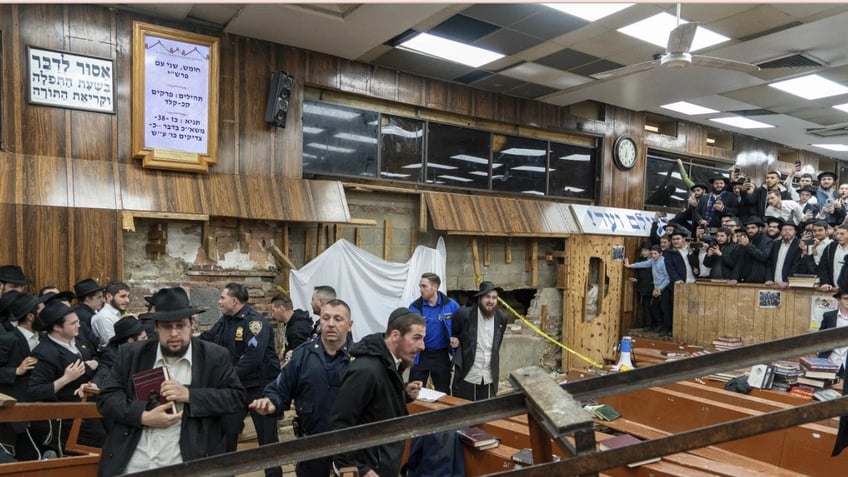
(68,80)
(174,98)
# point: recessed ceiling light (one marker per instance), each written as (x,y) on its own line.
(326,147)
(356,137)
(530,168)
(455,178)
(810,87)
(312,130)
(577,158)
(519,151)
(450,50)
(655,30)
(842,107)
(589,11)
(832,147)
(743,123)
(329,111)
(472,159)
(688,108)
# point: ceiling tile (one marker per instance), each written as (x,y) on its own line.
(751,22)
(705,13)
(497,83)
(548,24)
(475,75)
(566,59)
(529,90)
(503,14)
(507,42)
(806,12)
(535,73)
(422,64)
(822,116)
(596,67)
(463,29)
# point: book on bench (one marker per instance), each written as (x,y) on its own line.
(478,438)
(622,441)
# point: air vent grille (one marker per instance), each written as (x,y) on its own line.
(830,131)
(794,61)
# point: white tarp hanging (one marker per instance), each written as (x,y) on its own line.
(371,286)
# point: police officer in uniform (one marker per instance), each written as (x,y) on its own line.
(250,341)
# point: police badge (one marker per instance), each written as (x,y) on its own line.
(255,327)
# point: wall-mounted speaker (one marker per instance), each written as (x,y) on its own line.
(278,99)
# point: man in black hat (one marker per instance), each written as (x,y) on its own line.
(826,192)
(723,257)
(755,250)
(717,204)
(90,300)
(373,390)
(757,196)
(837,319)
(12,278)
(202,385)
(64,368)
(806,199)
(785,256)
(687,215)
(127,330)
(773,227)
(831,264)
(247,335)
(480,327)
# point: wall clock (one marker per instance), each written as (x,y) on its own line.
(624,152)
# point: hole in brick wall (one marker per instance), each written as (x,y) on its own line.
(518,299)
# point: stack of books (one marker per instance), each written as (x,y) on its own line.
(803,281)
(761,376)
(723,343)
(603,412)
(786,374)
(818,372)
(478,438)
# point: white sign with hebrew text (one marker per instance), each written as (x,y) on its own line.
(69,80)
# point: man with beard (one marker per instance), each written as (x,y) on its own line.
(811,254)
(686,217)
(373,390)
(785,254)
(117,301)
(755,250)
(832,259)
(247,336)
(826,195)
(757,196)
(298,324)
(312,379)
(201,386)
(12,278)
(723,257)
(717,204)
(773,227)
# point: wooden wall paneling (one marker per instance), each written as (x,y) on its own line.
(224,195)
(9,224)
(251,89)
(288,153)
(529,113)
(484,104)
(93,184)
(460,99)
(507,109)
(309,245)
(322,70)
(91,33)
(46,251)
(262,198)
(744,315)
(383,83)
(549,116)
(97,245)
(10,178)
(45,181)
(410,89)
(42,128)
(354,77)
(11,88)
(123,85)
(229,103)
(435,94)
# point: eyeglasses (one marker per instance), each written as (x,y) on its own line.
(175,326)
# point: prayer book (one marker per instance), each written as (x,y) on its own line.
(148,384)
(478,438)
(622,441)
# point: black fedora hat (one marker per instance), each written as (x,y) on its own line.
(5,301)
(718,178)
(839,293)
(698,184)
(126,327)
(53,312)
(13,274)
(52,296)
(173,305)
(153,300)
(753,219)
(826,174)
(86,287)
(771,219)
(22,305)
(486,287)
(808,188)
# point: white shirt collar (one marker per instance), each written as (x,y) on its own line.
(160,358)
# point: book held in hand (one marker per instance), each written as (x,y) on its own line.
(477,438)
(148,384)
(622,441)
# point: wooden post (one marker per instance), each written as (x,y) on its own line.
(487,257)
(309,246)
(475,260)
(357,236)
(387,240)
(339,232)
(534,263)
(508,250)
(422,214)
(543,319)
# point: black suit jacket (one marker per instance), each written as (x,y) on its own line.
(790,263)
(825,266)
(52,361)
(464,327)
(13,350)
(829,321)
(214,391)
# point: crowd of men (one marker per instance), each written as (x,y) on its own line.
(206,382)
(736,231)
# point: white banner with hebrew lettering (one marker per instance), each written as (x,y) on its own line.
(611,221)
(68,80)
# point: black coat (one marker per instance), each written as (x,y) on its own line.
(731,207)
(464,327)
(758,198)
(298,329)
(13,350)
(372,390)
(675,265)
(52,361)
(214,391)
(825,266)
(754,259)
(829,321)
(727,266)
(86,333)
(790,263)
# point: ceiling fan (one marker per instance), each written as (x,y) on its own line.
(677,55)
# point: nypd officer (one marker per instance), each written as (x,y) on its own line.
(248,337)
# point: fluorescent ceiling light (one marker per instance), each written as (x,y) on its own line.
(655,30)
(312,130)
(450,50)
(675,174)
(576,158)
(742,123)
(677,197)
(479,173)
(472,159)
(518,151)
(652,128)
(832,147)
(416,165)
(356,137)
(326,147)
(589,11)
(320,110)
(576,190)
(306,155)
(842,107)
(394,175)
(532,192)
(455,178)
(529,168)
(434,165)
(810,87)
(688,108)
(399,131)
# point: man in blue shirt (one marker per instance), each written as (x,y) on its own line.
(438,310)
(662,284)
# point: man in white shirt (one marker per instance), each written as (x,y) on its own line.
(788,210)
(117,301)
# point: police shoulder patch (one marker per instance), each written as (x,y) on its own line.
(255,327)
